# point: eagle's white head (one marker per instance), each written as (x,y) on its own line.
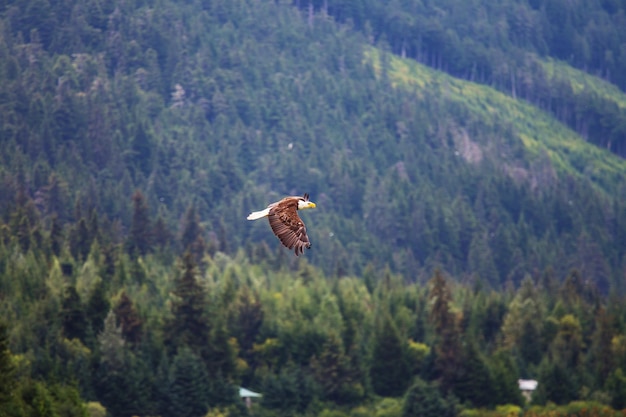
(305,204)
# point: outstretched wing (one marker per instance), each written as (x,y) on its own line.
(288,227)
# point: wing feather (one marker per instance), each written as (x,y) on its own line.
(288,227)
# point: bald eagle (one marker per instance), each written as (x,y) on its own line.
(285,222)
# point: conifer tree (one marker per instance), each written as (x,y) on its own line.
(189,325)
(389,371)
(161,234)
(616,386)
(112,354)
(73,318)
(129,320)
(332,372)
(446,325)
(56,236)
(423,400)
(7,370)
(192,239)
(188,386)
(80,240)
(140,236)
(98,307)
(474,382)
(121,381)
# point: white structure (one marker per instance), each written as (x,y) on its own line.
(527,386)
(247,395)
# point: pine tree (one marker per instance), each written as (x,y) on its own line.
(188,386)
(140,236)
(56,236)
(73,318)
(446,325)
(189,325)
(129,320)
(423,400)
(80,240)
(98,307)
(389,372)
(505,376)
(192,238)
(121,382)
(333,373)
(7,370)
(161,234)
(474,382)
(616,386)
(112,354)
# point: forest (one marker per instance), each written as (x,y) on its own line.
(470,227)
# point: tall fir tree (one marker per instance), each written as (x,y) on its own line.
(140,235)
(424,400)
(129,319)
(389,371)
(446,325)
(73,317)
(189,325)
(7,369)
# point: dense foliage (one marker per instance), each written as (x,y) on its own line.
(214,109)
(504,44)
(456,248)
(152,337)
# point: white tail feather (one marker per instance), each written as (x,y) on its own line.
(258,214)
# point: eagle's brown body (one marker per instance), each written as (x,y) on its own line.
(285,222)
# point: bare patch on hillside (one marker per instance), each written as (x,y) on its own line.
(466,148)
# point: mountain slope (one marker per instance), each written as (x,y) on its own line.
(220,108)
(541,135)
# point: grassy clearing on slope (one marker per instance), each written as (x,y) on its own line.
(582,81)
(540,133)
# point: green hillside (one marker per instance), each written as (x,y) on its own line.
(208,111)
(465,235)
(540,134)
(513,46)
(583,82)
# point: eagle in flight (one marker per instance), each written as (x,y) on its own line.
(285,222)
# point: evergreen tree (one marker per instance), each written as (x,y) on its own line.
(188,386)
(121,382)
(389,371)
(161,234)
(129,319)
(616,385)
(80,240)
(332,372)
(73,318)
(56,236)
(140,236)
(112,354)
(555,384)
(505,379)
(446,326)
(192,239)
(189,325)
(474,382)
(7,370)
(423,400)
(98,307)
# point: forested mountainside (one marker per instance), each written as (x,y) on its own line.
(465,236)
(505,44)
(224,107)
